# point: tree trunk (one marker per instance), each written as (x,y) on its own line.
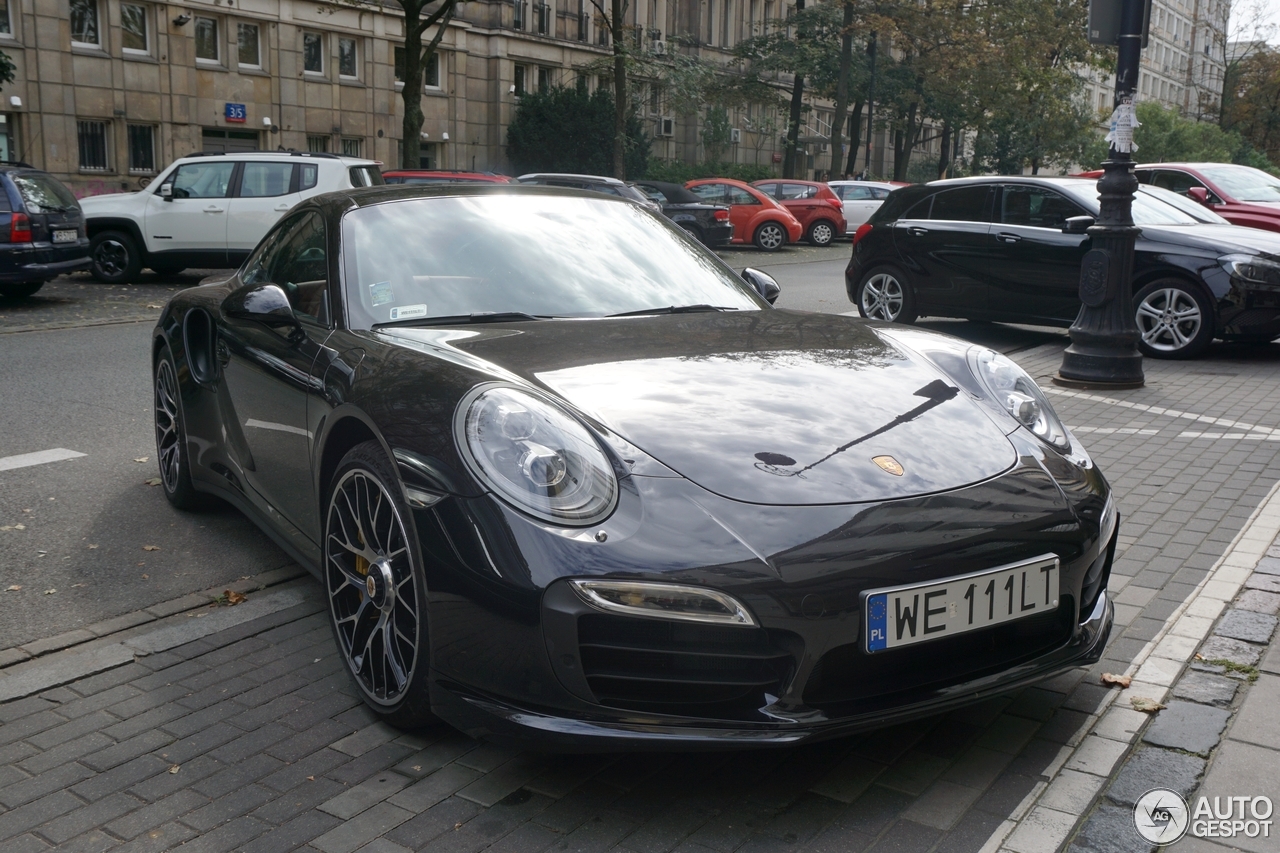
(842,89)
(793,121)
(855,138)
(416,58)
(945,151)
(904,141)
(619,90)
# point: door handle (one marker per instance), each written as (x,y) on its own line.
(282,207)
(917,231)
(1006,237)
(213,208)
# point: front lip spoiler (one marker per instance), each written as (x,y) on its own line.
(490,718)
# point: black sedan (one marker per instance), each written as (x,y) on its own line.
(1009,249)
(708,222)
(567,479)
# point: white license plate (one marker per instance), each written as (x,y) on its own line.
(904,615)
(64,236)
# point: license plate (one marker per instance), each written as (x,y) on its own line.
(919,613)
(64,236)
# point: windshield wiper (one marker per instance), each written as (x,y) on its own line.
(674,309)
(464,319)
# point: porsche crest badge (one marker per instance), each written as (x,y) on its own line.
(888,463)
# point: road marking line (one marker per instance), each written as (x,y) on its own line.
(26,460)
(1114,430)
(1157,410)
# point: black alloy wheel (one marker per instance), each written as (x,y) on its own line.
(20,291)
(171,437)
(115,257)
(822,232)
(1175,318)
(374,580)
(884,294)
(770,237)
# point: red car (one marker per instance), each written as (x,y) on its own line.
(442,176)
(818,208)
(1241,195)
(756,217)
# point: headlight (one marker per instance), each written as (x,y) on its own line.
(536,456)
(1019,396)
(1251,268)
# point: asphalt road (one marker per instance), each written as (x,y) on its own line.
(86,538)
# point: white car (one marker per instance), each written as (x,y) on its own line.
(209,210)
(860,199)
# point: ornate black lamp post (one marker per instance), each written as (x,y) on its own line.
(1104,338)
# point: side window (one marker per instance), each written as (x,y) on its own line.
(202,180)
(713,193)
(653,193)
(263,180)
(308,176)
(791,192)
(737,195)
(294,257)
(877,192)
(856,193)
(365,176)
(1144,176)
(770,189)
(920,210)
(1179,182)
(966,204)
(1036,207)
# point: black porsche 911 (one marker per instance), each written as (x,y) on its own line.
(569,480)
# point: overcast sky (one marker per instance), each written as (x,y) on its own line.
(1246,14)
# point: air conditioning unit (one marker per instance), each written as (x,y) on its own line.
(735,136)
(666,126)
(659,48)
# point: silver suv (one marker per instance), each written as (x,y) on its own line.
(209,209)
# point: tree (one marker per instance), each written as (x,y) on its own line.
(1165,136)
(416,57)
(565,129)
(1254,108)
(7,68)
(613,21)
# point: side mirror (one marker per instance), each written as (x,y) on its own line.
(262,303)
(1077,225)
(1200,194)
(764,284)
(166,192)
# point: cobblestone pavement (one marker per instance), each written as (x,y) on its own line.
(78,300)
(250,737)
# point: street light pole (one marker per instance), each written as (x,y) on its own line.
(1103,351)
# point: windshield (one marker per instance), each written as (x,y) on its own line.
(43,193)
(1193,209)
(547,256)
(1147,209)
(1244,183)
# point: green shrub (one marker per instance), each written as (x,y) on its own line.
(564,129)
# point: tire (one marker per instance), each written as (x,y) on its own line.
(885,294)
(770,237)
(377,603)
(694,231)
(20,291)
(171,437)
(166,269)
(1175,317)
(821,233)
(115,257)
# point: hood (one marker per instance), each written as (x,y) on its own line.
(769,407)
(92,202)
(1212,238)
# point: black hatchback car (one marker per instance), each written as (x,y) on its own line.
(42,233)
(1009,249)
(709,223)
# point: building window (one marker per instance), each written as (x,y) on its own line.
(544,79)
(247,38)
(142,148)
(318,144)
(519,80)
(134,35)
(542,18)
(93,145)
(313,53)
(84,23)
(582,20)
(431,73)
(351,147)
(347,61)
(207,40)
(6,26)
(517,17)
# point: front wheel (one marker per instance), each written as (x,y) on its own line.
(1175,319)
(770,237)
(115,257)
(821,233)
(375,583)
(884,294)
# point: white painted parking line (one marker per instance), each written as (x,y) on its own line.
(1113,430)
(1226,423)
(1233,436)
(26,460)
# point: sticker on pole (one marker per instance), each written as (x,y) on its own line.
(1123,122)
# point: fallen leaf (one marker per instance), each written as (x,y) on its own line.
(151,547)
(50,591)
(78,585)
(311,778)
(233,597)
(154,481)
(93,547)
(1117,680)
(13,587)
(175,768)
(141,458)
(14,527)
(146,577)
(1142,703)
(154,305)
(417,767)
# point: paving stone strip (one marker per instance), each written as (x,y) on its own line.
(1192,721)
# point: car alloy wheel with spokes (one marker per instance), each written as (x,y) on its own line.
(115,258)
(770,237)
(1173,320)
(883,296)
(376,600)
(171,437)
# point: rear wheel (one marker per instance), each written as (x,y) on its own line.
(171,438)
(115,257)
(1175,318)
(377,594)
(20,291)
(694,231)
(770,237)
(884,294)
(822,232)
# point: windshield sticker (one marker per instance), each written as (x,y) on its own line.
(408,312)
(380,293)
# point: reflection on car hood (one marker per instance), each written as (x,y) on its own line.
(1223,239)
(771,407)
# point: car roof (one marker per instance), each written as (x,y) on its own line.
(884,185)
(788,181)
(1004,179)
(336,202)
(566,176)
(279,155)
